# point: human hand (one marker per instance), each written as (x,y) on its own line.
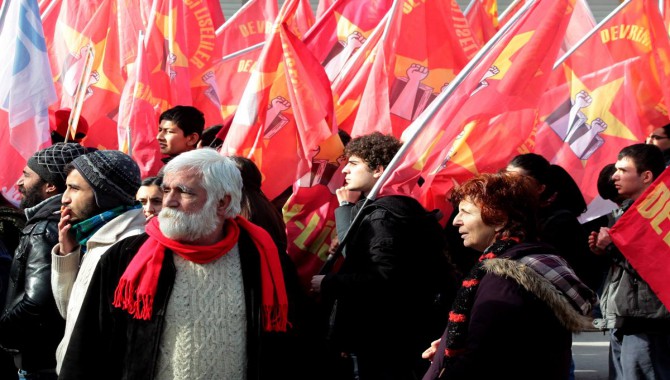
(430,352)
(316,283)
(65,238)
(344,194)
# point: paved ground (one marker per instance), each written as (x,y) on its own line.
(590,350)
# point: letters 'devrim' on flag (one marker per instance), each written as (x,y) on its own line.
(611,92)
(642,234)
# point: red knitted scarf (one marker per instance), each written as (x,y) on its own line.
(137,288)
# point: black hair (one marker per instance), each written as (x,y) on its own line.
(188,119)
(375,149)
(152,181)
(645,157)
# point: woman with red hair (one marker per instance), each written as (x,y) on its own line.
(517,308)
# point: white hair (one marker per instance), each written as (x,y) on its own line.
(220,176)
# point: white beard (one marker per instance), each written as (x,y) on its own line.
(181,226)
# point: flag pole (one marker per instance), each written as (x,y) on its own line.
(469,8)
(421,122)
(48,9)
(80,93)
(661,7)
(240,52)
(589,34)
(508,9)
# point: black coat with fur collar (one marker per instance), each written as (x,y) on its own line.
(520,327)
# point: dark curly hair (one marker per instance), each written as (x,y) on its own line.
(375,149)
(504,198)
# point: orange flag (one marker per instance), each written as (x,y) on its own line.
(614,90)
(643,236)
(286,111)
(423,47)
(342,30)
(461,135)
(482,17)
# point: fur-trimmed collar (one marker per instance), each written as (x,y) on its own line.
(543,289)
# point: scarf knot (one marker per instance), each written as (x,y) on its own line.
(137,287)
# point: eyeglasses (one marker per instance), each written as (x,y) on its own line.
(657,137)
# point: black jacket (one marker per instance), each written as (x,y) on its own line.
(107,343)
(513,332)
(388,284)
(30,322)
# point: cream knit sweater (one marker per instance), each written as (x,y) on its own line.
(204,334)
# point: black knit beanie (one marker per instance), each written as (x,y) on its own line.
(113,175)
(49,163)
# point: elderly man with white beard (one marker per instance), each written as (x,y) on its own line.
(200,295)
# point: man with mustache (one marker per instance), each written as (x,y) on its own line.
(99,209)
(30,326)
(201,294)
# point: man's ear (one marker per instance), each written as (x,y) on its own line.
(50,188)
(192,139)
(647,177)
(377,172)
(222,206)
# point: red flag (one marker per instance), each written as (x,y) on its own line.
(495,102)
(138,117)
(342,30)
(302,19)
(226,81)
(322,7)
(249,26)
(482,17)
(310,212)
(613,91)
(286,111)
(423,47)
(216,13)
(642,234)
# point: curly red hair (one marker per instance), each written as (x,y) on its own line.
(504,199)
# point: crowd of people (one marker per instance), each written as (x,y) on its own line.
(106,275)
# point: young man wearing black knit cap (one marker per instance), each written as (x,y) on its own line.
(30,326)
(99,209)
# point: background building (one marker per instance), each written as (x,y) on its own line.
(600,8)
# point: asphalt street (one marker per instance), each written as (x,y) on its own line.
(589,351)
